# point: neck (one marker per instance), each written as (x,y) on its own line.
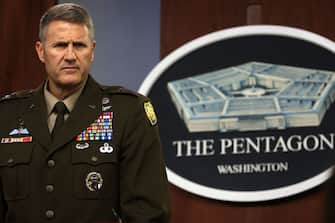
(61,92)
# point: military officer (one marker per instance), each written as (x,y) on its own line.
(73,150)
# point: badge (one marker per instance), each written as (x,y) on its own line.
(105,101)
(19,131)
(81,146)
(18,139)
(106,105)
(92,106)
(106,148)
(94,181)
(100,130)
(106,108)
(149,110)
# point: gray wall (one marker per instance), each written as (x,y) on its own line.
(127,34)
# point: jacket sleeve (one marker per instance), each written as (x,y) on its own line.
(143,183)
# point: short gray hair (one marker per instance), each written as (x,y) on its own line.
(68,12)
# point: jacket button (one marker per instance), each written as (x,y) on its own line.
(49,214)
(51,163)
(10,161)
(94,158)
(50,188)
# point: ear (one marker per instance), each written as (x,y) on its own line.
(94,43)
(40,51)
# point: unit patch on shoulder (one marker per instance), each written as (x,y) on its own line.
(149,110)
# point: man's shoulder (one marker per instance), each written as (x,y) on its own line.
(123,92)
(17,95)
(132,101)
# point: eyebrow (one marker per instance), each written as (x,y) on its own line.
(75,43)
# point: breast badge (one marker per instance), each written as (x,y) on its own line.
(94,181)
(18,135)
(82,146)
(106,148)
(19,131)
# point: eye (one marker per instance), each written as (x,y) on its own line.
(79,45)
(60,45)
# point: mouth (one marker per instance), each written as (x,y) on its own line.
(70,68)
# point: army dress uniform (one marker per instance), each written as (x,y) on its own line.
(106,163)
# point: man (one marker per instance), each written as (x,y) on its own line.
(73,151)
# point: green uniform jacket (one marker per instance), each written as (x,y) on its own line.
(87,181)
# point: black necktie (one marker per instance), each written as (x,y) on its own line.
(60,109)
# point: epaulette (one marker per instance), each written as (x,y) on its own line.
(119,90)
(17,95)
(148,108)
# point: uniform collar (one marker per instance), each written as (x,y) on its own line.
(88,106)
(51,100)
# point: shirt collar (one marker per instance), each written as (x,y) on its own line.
(51,100)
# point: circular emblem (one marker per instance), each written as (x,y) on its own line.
(246,113)
(94,181)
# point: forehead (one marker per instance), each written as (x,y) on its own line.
(65,31)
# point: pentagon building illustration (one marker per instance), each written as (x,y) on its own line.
(253,96)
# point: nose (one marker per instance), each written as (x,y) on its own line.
(70,55)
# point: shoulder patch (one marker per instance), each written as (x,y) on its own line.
(17,95)
(150,112)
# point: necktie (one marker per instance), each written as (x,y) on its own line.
(60,110)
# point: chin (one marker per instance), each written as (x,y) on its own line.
(72,80)
(70,84)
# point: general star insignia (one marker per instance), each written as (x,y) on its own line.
(149,110)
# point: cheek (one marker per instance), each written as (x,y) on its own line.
(87,58)
(88,55)
(53,59)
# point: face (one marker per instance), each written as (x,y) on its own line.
(67,53)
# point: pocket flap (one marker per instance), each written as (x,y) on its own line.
(15,153)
